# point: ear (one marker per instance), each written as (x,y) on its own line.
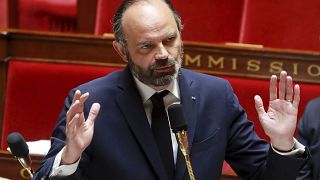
(120,50)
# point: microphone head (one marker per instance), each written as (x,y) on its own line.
(176,118)
(18,145)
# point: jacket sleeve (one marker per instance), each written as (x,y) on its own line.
(308,134)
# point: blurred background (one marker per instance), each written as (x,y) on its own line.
(290,24)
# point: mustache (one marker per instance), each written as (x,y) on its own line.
(162,63)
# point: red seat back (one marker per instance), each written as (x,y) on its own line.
(290,24)
(36,92)
(204,20)
(47,15)
(3,14)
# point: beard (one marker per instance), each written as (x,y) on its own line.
(151,76)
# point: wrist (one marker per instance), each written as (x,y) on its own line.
(283,145)
(285,151)
(67,157)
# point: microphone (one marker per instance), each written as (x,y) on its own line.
(179,127)
(19,149)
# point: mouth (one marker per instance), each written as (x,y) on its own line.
(164,68)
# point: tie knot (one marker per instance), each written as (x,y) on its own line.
(157,98)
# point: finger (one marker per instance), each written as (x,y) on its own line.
(289,90)
(282,85)
(71,126)
(82,100)
(260,110)
(84,97)
(259,105)
(273,88)
(296,99)
(94,111)
(76,96)
(73,110)
(79,122)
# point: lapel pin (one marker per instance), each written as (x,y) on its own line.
(193,98)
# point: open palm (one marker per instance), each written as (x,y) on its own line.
(279,122)
(79,131)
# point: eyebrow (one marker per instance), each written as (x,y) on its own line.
(144,43)
(170,34)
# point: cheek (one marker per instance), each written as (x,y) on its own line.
(143,61)
(175,49)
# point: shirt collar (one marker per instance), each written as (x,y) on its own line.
(146,91)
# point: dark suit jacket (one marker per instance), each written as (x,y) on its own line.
(309,135)
(123,146)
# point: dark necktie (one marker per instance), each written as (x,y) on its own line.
(161,132)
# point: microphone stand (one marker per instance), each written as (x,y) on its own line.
(183,145)
(179,127)
(24,164)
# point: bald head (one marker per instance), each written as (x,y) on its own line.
(147,18)
(148,7)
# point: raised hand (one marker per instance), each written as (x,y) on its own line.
(79,132)
(279,122)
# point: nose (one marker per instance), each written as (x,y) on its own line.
(162,52)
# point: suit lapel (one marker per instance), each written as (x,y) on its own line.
(130,104)
(189,100)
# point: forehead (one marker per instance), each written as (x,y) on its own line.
(148,19)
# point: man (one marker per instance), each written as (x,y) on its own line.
(120,143)
(309,133)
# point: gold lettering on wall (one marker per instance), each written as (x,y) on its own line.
(189,60)
(314,70)
(253,65)
(215,62)
(234,63)
(276,67)
(295,68)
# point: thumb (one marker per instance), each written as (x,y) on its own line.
(259,107)
(94,111)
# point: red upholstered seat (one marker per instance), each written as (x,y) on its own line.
(3,14)
(280,24)
(48,15)
(204,20)
(210,20)
(36,92)
(290,24)
(104,17)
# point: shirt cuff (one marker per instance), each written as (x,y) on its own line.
(63,170)
(298,148)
